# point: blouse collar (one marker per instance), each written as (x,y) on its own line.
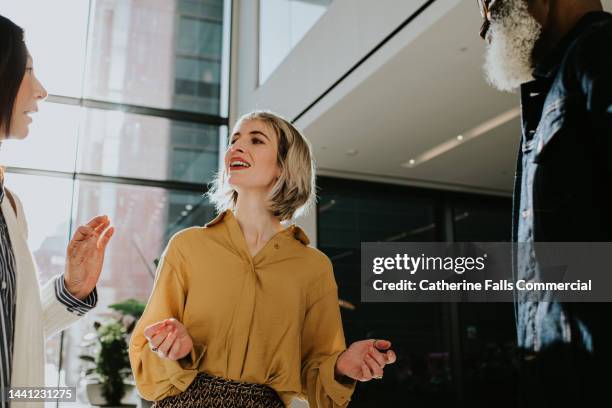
(295,231)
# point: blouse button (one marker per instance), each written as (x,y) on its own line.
(3,284)
(276,246)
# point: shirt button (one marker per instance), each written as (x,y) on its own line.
(3,284)
(276,246)
(526,214)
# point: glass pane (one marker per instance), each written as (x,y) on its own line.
(138,51)
(282,24)
(211,8)
(46,204)
(128,145)
(200,37)
(58,49)
(479,219)
(351,212)
(145,218)
(197,83)
(488,334)
(51,143)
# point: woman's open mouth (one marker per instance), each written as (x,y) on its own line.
(239,165)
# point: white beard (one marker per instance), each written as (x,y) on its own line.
(508,59)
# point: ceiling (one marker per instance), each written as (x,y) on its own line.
(430,92)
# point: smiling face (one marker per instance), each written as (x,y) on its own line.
(30,93)
(251,160)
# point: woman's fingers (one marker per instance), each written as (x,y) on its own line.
(176,325)
(154,329)
(382,344)
(102,226)
(106,238)
(97,221)
(166,345)
(82,233)
(92,228)
(375,368)
(172,322)
(366,374)
(165,337)
(159,338)
(79,250)
(173,354)
(380,358)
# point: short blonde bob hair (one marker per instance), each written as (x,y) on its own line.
(294,192)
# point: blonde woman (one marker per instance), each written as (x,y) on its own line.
(243,312)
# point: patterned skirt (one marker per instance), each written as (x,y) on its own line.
(207,391)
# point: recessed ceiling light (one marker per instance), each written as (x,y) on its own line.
(479,130)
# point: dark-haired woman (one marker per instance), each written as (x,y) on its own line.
(29,314)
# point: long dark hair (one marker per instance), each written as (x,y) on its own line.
(13,60)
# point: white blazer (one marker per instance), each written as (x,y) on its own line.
(38,314)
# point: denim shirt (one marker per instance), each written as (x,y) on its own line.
(563,184)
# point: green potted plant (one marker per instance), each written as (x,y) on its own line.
(110,358)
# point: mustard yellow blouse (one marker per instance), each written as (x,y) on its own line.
(271,319)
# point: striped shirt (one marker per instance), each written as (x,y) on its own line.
(8,304)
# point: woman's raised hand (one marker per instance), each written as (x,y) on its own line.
(85,256)
(169,339)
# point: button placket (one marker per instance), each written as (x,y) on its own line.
(243,318)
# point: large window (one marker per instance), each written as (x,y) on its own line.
(132,128)
(351,212)
(448,354)
(487,331)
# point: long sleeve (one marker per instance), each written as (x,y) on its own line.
(322,343)
(73,304)
(158,378)
(56,315)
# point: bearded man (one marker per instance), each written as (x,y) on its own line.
(559,52)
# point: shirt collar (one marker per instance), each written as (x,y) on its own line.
(295,231)
(548,67)
(216,220)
